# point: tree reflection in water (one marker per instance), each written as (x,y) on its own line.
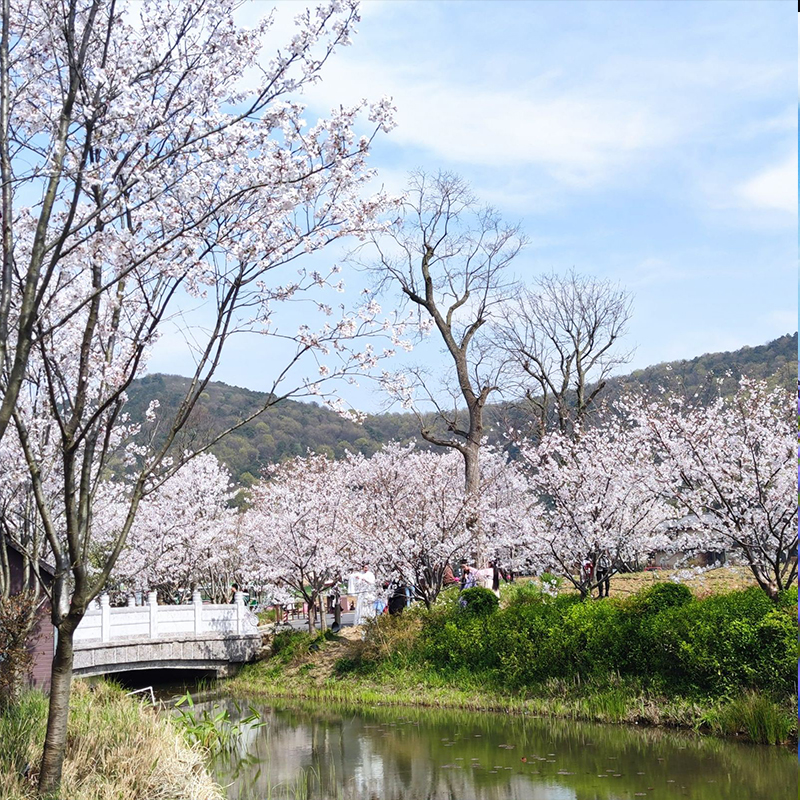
(331,753)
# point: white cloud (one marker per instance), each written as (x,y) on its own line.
(593,124)
(772,189)
(579,138)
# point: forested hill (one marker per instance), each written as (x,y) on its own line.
(775,362)
(292,428)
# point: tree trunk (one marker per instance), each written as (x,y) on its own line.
(322,620)
(472,468)
(472,483)
(337,611)
(312,610)
(58,715)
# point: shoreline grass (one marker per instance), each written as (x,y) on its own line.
(117,749)
(753,717)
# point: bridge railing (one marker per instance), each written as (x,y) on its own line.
(154,621)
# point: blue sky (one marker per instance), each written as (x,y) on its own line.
(654,144)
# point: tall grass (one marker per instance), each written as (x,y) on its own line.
(755,716)
(21,729)
(117,749)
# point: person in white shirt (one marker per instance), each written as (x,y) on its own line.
(362,585)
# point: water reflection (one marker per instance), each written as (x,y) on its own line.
(402,754)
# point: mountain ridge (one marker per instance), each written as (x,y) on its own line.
(293,427)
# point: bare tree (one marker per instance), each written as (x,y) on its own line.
(448,255)
(560,336)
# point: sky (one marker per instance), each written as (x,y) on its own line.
(653,144)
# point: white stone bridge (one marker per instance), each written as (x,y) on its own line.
(196,636)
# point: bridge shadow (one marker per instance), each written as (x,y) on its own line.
(166,683)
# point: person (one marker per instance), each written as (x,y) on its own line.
(337,608)
(398,596)
(362,585)
(380,599)
(587,570)
(469,579)
(448,578)
(234,590)
(497,573)
(485,577)
(603,572)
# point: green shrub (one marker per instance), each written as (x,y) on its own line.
(713,645)
(776,656)
(788,598)
(521,594)
(292,645)
(479,601)
(389,636)
(657,598)
(707,647)
(640,633)
(594,636)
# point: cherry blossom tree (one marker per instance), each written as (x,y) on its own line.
(300,529)
(595,493)
(185,534)
(152,174)
(507,510)
(731,467)
(413,513)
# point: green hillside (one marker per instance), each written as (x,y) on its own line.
(292,428)
(775,362)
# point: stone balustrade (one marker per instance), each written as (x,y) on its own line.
(153,621)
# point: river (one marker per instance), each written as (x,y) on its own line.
(326,753)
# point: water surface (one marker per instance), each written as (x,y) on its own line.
(417,754)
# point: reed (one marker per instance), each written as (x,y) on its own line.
(754,716)
(118,749)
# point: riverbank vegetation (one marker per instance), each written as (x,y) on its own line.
(722,664)
(117,749)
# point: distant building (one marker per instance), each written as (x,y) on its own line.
(664,559)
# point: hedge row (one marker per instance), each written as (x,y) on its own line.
(710,646)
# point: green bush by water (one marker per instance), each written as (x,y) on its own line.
(709,647)
(478,601)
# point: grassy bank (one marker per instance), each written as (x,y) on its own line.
(723,664)
(118,749)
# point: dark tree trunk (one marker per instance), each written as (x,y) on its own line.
(322,620)
(312,613)
(58,715)
(472,469)
(337,611)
